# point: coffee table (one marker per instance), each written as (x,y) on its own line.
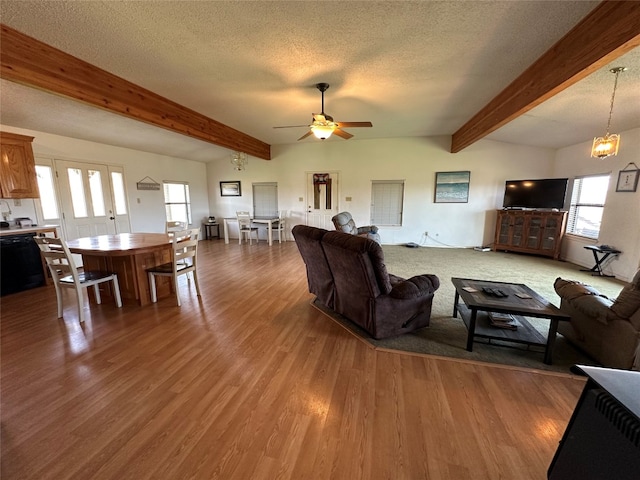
(477,303)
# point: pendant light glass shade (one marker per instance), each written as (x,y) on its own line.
(606,146)
(239,160)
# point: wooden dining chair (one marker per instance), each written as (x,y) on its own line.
(245,227)
(184,255)
(65,274)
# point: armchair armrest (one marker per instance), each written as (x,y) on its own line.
(367,229)
(571,289)
(415,287)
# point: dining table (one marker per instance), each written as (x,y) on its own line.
(268,221)
(129,255)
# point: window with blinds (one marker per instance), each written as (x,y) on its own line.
(177,202)
(386,202)
(265,200)
(587,205)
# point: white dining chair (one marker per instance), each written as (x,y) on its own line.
(279,225)
(175,226)
(65,274)
(245,227)
(184,257)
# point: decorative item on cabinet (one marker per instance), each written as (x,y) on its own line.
(530,231)
(17,167)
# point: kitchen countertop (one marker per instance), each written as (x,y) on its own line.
(33,229)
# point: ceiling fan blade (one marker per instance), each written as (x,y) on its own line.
(292,126)
(342,134)
(354,124)
(305,135)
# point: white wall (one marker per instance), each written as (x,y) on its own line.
(146,206)
(621,217)
(414,160)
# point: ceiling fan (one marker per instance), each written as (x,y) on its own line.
(323,125)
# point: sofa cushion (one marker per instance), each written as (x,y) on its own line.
(628,301)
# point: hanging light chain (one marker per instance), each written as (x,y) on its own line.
(617,71)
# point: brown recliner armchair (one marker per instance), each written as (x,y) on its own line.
(607,329)
(343,222)
(363,291)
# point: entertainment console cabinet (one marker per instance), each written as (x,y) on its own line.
(530,231)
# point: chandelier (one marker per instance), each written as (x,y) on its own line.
(239,160)
(606,146)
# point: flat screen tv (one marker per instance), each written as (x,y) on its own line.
(542,193)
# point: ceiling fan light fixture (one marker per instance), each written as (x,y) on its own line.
(322,132)
(608,145)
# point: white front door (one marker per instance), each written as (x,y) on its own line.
(92,198)
(322,199)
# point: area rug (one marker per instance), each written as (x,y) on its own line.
(447,337)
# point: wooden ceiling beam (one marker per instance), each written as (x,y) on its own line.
(29,62)
(607,32)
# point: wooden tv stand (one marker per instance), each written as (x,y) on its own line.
(538,232)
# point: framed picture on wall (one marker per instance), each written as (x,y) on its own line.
(452,187)
(230,189)
(627,179)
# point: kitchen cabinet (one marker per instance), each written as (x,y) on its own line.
(530,231)
(17,167)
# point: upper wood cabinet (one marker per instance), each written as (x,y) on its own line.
(17,167)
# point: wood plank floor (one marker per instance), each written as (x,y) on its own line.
(252,382)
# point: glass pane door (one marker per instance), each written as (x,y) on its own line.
(87,201)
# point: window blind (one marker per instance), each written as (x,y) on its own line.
(265,199)
(386,202)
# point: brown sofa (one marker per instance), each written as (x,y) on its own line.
(607,329)
(347,274)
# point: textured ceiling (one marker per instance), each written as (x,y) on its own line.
(412,68)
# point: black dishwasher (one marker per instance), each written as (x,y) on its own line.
(20,263)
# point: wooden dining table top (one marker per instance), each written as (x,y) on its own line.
(120,244)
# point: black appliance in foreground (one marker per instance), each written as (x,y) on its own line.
(602,440)
(20,263)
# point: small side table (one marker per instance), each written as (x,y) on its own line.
(207,230)
(607,252)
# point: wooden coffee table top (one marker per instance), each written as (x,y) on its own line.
(535,306)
